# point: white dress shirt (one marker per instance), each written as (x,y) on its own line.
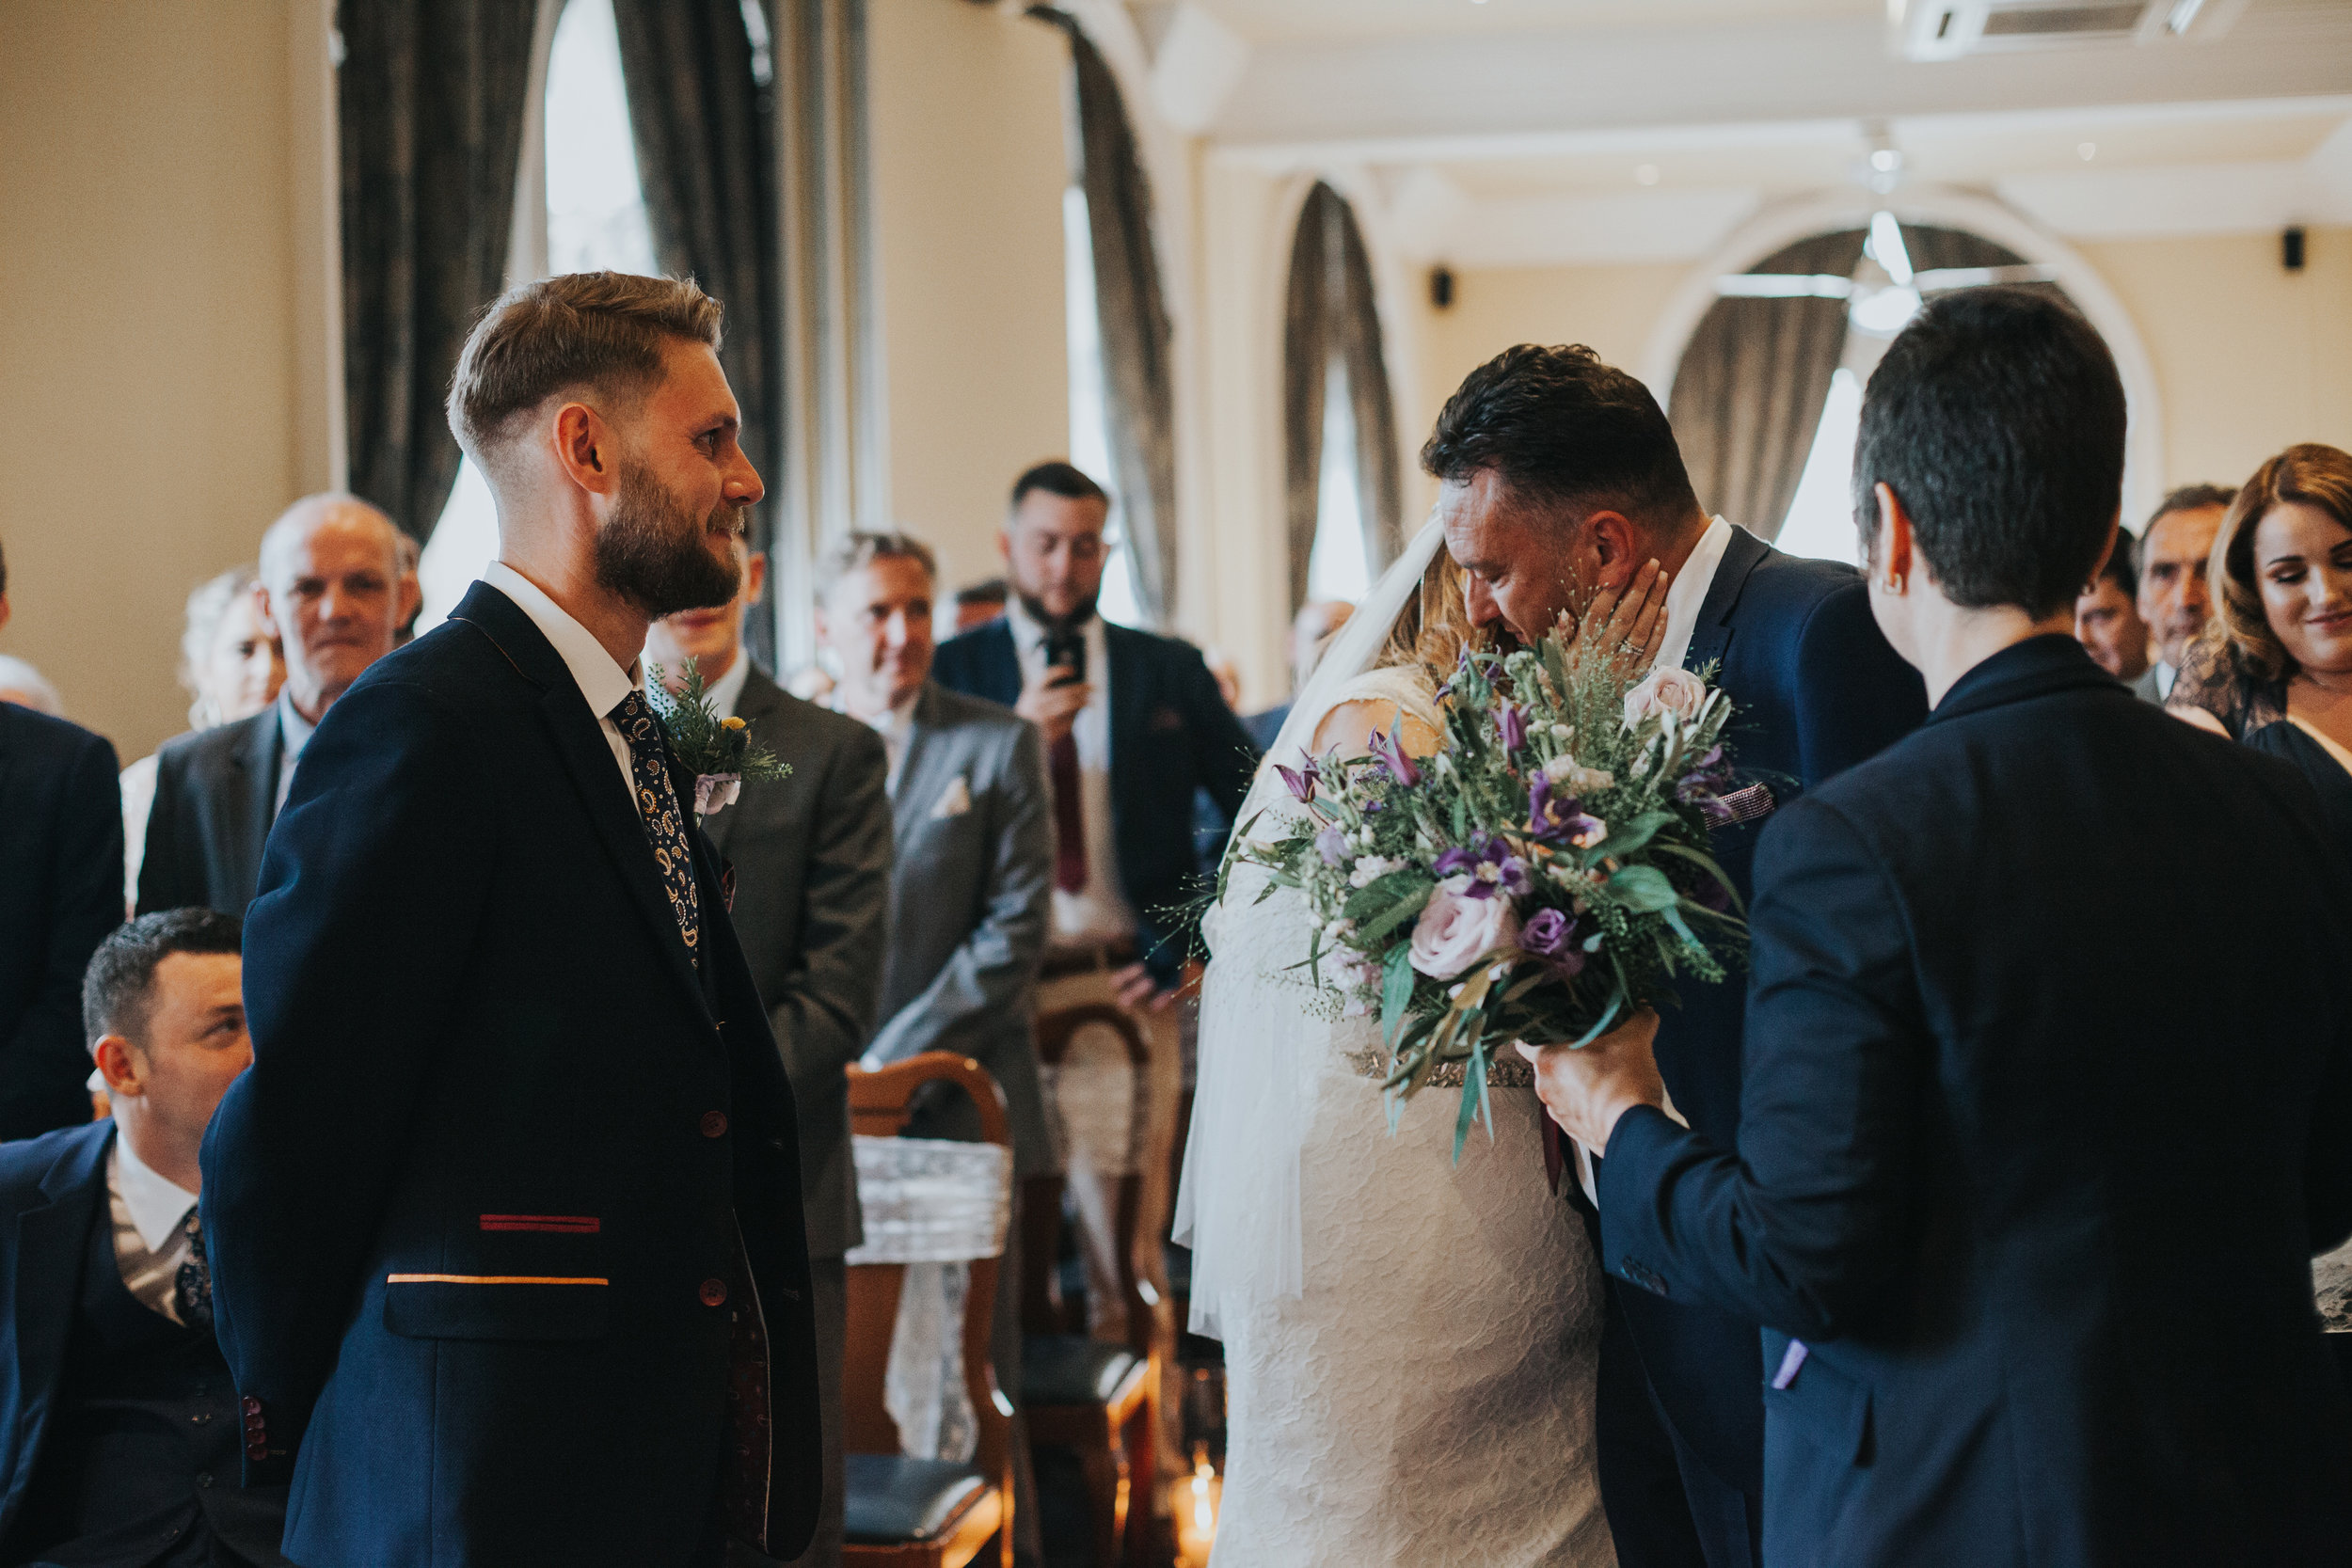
(149,1213)
(2165,675)
(1687,592)
(293,734)
(602,681)
(1099,911)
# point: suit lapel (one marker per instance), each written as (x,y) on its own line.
(50,1240)
(1711,639)
(1002,674)
(918,795)
(258,758)
(760,708)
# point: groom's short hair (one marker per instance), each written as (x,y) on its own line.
(1997,419)
(593,331)
(1561,428)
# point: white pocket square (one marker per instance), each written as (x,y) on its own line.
(955,802)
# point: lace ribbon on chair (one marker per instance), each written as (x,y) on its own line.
(933,1205)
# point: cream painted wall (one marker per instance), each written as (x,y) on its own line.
(147,353)
(966,126)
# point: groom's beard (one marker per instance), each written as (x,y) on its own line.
(651,552)
(1056,625)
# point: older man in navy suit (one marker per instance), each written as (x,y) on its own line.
(1560,476)
(505,1219)
(2029,1219)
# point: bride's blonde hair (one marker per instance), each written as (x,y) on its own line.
(1435,626)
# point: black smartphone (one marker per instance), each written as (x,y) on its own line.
(1067,649)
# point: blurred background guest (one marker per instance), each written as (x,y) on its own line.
(230,665)
(974,606)
(811,857)
(60,893)
(2171,561)
(2107,616)
(26,687)
(129,1435)
(2274,669)
(1312,629)
(335,595)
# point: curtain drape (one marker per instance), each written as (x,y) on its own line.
(1328,311)
(701,112)
(431,96)
(1931,247)
(1137,382)
(1747,398)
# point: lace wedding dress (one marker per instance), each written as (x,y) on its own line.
(1410,1371)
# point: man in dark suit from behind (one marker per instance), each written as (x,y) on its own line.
(505,1218)
(119,1439)
(336,584)
(60,841)
(1560,474)
(810,858)
(2030,1221)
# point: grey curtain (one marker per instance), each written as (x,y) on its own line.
(1138,383)
(1328,312)
(702,112)
(431,96)
(1747,398)
(1931,247)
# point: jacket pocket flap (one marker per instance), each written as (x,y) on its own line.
(1827,1407)
(495,1306)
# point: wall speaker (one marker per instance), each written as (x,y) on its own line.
(2291,249)
(1441,284)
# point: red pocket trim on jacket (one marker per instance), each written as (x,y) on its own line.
(561,1225)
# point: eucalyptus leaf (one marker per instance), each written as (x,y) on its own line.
(1396,993)
(1643,888)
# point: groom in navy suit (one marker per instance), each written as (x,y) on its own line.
(505,1219)
(2026,1197)
(1558,476)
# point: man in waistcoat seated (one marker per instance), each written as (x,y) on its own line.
(119,1435)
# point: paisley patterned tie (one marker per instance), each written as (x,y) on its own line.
(192,1284)
(657,804)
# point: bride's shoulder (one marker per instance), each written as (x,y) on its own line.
(1375,700)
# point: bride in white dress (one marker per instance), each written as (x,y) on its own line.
(1410,1344)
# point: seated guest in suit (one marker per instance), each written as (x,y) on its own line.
(232,666)
(2107,617)
(124,1414)
(2275,668)
(2031,1237)
(975,607)
(1312,629)
(1132,725)
(2170,558)
(811,856)
(60,893)
(335,594)
(969,896)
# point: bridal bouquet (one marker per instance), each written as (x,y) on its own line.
(1543,875)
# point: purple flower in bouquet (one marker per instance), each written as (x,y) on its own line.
(1455,931)
(1332,844)
(1300,781)
(1488,868)
(1560,818)
(1512,723)
(1390,749)
(1552,937)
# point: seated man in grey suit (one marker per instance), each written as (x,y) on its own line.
(336,585)
(970,898)
(810,855)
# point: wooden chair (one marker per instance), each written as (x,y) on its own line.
(1099,1399)
(906,1512)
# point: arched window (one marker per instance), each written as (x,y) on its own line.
(596,219)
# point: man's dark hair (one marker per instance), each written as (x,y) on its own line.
(2122,567)
(1997,419)
(1057,478)
(991,591)
(1560,428)
(2189,497)
(120,983)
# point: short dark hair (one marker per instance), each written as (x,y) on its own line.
(987,591)
(1560,427)
(1997,419)
(120,983)
(2188,497)
(2122,567)
(1057,477)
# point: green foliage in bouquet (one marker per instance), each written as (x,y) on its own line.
(1542,875)
(704,744)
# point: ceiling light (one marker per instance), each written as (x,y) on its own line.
(1645,175)
(2086,150)
(1884,312)
(1886,160)
(1887,248)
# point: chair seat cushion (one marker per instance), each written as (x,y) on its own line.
(1068,1369)
(892,1498)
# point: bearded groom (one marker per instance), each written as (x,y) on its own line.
(505,1219)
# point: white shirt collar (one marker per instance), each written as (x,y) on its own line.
(158,1205)
(893,722)
(602,681)
(294,731)
(2165,675)
(727,690)
(1687,594)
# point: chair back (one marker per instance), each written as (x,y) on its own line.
(1041,1309)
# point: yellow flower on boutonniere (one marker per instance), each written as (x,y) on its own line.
(732,722)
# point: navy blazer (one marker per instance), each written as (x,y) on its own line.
(216,795)
(1171,735)
(60,893)
(2049,1078)
(474,1209)
(1817,690)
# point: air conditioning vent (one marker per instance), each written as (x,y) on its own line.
(1949,29)
(2062,20)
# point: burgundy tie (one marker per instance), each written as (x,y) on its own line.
(1070,830)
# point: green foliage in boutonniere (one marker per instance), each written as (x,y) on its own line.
(719,753)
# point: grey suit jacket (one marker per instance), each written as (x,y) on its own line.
(216,797)
(810,855)
(2145,687)
(970,906)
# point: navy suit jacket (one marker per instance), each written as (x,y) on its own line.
(215,794)
(1817,690)
(473,1210)
(60,841)
(1171,735)
(2049,1078)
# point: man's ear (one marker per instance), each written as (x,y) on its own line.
(587,449)
(1891,554)
(1619,546)
(754,576)
(410,593)
(269,619)
(4,610)
(119,1062)
(1004,547)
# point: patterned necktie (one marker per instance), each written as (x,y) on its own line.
(192,1287)
(657,804)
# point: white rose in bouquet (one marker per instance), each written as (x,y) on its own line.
(1455,929)
(1667,689)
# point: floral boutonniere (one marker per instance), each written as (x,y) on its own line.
(718,751)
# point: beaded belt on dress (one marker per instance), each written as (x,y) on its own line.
(1513,1072)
